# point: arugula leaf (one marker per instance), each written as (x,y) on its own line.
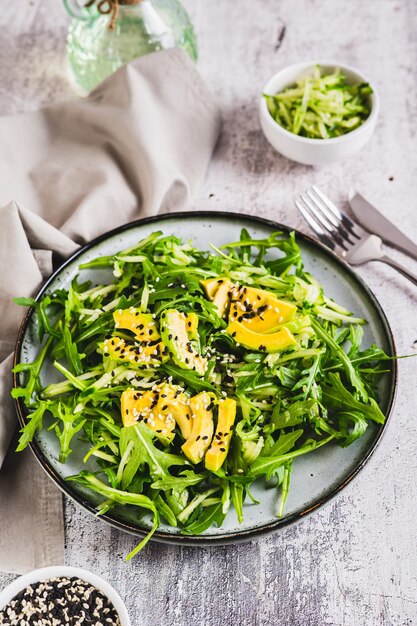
(185,479)
(25,301)
(33,383)
(285,442)
(338,398)
(87,479)
(352,425)
(189,378)
(34,424)
(145,451)
(71,352)
(268,465)
(67,425)
(212,515)
(165,511)
(293,414)
(341,355)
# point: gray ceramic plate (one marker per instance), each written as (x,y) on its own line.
(317,476)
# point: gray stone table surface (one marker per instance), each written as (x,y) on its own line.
(352,562)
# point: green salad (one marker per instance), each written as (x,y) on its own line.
(192,374)
(321,106)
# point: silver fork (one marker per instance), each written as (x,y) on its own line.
(338,232)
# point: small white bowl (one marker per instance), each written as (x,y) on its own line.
(54,571)
(315,151)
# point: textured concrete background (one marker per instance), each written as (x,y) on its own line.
(352,563)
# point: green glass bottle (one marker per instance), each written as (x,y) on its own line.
(101,39)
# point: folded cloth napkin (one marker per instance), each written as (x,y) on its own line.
(138,145)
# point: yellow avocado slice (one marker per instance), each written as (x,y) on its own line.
(174,333)
(218,290)
(222,296)
(259,310)
(273,342)
(192,325)
(176,403)
(142,324)
(202,427)
(119,350)
(146,407)
(210,286)
(217,453)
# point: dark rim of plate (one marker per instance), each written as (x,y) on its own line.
(236,536)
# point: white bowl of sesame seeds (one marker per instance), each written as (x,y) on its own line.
(107,607)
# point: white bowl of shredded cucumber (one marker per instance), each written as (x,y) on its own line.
(318,113)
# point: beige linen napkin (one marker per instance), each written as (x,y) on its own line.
(138,145)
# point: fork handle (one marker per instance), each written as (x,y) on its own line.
(387,259)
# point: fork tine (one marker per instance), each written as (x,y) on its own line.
(338,231)
(346,221)
(338,234)
(332,207)
(315,226)
(330,216)
(312,205)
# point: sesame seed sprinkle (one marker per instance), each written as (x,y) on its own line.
(60,601)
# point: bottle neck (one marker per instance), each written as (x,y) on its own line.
(112,8)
